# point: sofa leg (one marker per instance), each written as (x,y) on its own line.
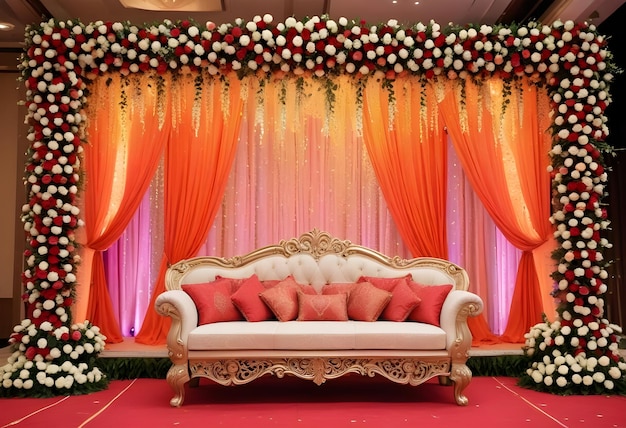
(177,377)
(461,375)
(444,380)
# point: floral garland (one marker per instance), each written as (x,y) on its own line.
(571,59)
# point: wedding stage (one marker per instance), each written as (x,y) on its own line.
(129,348)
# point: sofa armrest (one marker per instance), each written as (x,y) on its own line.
(179,306)
(457,307)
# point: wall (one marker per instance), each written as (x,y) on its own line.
(12,159)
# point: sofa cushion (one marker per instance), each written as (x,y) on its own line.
(318,307)
(282,299)
(213,302)
(247,300)
(365,302)
(403,299)
(316,335)
(384,283)
(432,297)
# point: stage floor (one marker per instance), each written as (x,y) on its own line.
(131,349)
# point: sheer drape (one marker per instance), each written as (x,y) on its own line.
(206,115)
(132,262)
(408,150)
(126,142)
(503,149)
(297,168)
(476,243)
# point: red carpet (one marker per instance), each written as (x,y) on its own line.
(349,402)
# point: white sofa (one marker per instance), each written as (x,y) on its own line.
(237,352)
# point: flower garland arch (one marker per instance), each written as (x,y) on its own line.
(575,354)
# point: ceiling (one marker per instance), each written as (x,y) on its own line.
(23,12)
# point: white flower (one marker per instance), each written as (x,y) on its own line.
(598,377)
(615,372)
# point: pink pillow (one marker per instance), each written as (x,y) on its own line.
(365,302)
(213,302)
(318,307)
(432,297)
(247,300)
(282,299)
(403,299)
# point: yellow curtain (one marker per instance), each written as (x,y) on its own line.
(126,140)
(205,115)
(499,131)
(408,150)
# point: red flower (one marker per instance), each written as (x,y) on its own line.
(76,335)
(30,353)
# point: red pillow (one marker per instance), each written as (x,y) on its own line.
(282,299)
(234,282)
(365,302)
(385,283)
(213,302)
(432,297)
(269,283)
(247,300)
(318,307)
(403,299)
(338,288)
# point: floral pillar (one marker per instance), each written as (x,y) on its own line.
(578,353)
(51,355)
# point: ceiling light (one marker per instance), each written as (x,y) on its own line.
(6,26)
(175,5)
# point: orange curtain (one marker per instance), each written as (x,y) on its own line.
(206,115)
(126,141)
(408,151)
(499,133)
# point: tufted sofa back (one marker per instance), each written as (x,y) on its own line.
(316,259)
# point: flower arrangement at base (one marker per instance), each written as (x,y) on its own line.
(574,358)
(48,361)
(570,59)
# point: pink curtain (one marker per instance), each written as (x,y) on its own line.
(476,243)
(295,170)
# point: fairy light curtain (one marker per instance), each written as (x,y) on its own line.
(287,141)
(295,171)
